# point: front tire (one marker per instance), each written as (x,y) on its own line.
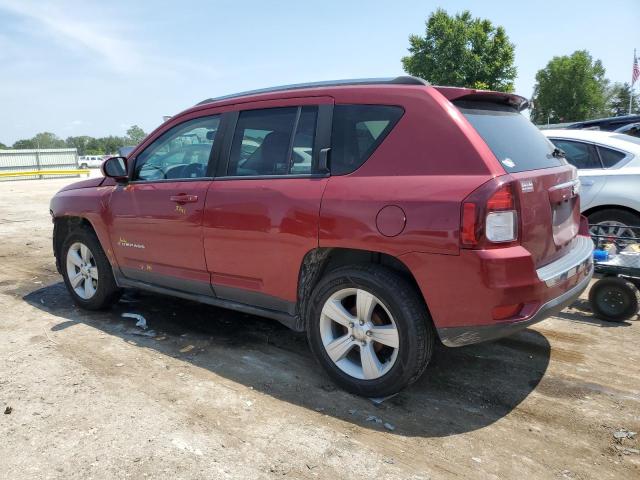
(87,272)
(370,330)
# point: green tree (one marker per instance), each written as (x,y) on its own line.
(570,88)
(41,140)
(24,144)
(462,51)
(136,134)
(3,146)
(618,96)
(48,140)
(80,143)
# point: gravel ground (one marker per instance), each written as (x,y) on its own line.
(210,393)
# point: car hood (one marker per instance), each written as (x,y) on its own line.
(88,183)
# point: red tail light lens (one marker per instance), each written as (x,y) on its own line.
(502,199)
(468,230)
(489,216)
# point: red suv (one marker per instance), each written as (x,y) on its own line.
(376,215)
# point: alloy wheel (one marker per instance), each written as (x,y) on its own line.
(359,333)
(82,270)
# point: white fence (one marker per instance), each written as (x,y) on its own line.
(61,162)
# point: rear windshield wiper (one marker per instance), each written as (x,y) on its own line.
(558,153)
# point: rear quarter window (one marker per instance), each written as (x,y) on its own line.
(515,141)
(610,158)
(356,133)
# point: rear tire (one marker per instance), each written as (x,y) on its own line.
(614,299)
(87,272)
(391,340)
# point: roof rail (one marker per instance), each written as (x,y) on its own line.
(402,80)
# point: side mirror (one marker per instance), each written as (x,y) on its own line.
(116,168)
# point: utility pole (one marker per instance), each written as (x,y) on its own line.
(38,158)
(635,59)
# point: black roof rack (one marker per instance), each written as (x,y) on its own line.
(402,80)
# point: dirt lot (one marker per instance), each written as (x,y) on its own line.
(217,394)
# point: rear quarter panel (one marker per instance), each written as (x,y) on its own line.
(427,165)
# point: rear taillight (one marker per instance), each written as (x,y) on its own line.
(489,216)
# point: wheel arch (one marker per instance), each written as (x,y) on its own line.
(599,208)
(62,226)
(322,260)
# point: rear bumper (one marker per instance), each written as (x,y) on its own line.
(465,293)
(459,336)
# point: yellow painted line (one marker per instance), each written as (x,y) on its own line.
(44,172)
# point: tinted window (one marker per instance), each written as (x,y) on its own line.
(578,154)
(302,152)
(514,140)
(357,131)
(262,142)
(181,152)
(610,157)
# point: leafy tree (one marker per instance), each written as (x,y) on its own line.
(48,140)
(80,143)
(462,51)
(24,144)
(570,88)
(85,145)
(618,96)
(3,146)
(41,140)
(136,134)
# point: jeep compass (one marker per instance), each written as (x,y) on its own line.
(378,216)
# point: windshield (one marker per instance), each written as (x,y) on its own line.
(514,140)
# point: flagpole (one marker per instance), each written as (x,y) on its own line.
(631,89)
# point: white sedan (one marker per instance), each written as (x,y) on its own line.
(608,165)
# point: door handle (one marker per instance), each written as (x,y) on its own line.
(184,198)
(587,183)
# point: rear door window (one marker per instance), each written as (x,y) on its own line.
(579,154)
(356,133)
(274,141)
(515,141)
(610,158)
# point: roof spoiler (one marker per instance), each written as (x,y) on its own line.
(511,99)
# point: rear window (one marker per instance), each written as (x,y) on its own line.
(515,141)
(357,131)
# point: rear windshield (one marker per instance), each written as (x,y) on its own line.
(514,140)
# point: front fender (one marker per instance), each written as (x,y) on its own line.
(90,204)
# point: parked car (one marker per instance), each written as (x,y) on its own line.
(632,129)
(378,216)
(90,161)
(608,165)
(608,124)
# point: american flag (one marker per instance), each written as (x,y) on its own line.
(636,70)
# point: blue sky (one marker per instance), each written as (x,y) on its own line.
(95,68)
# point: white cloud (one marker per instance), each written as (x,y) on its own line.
(105,39)
(77,33)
